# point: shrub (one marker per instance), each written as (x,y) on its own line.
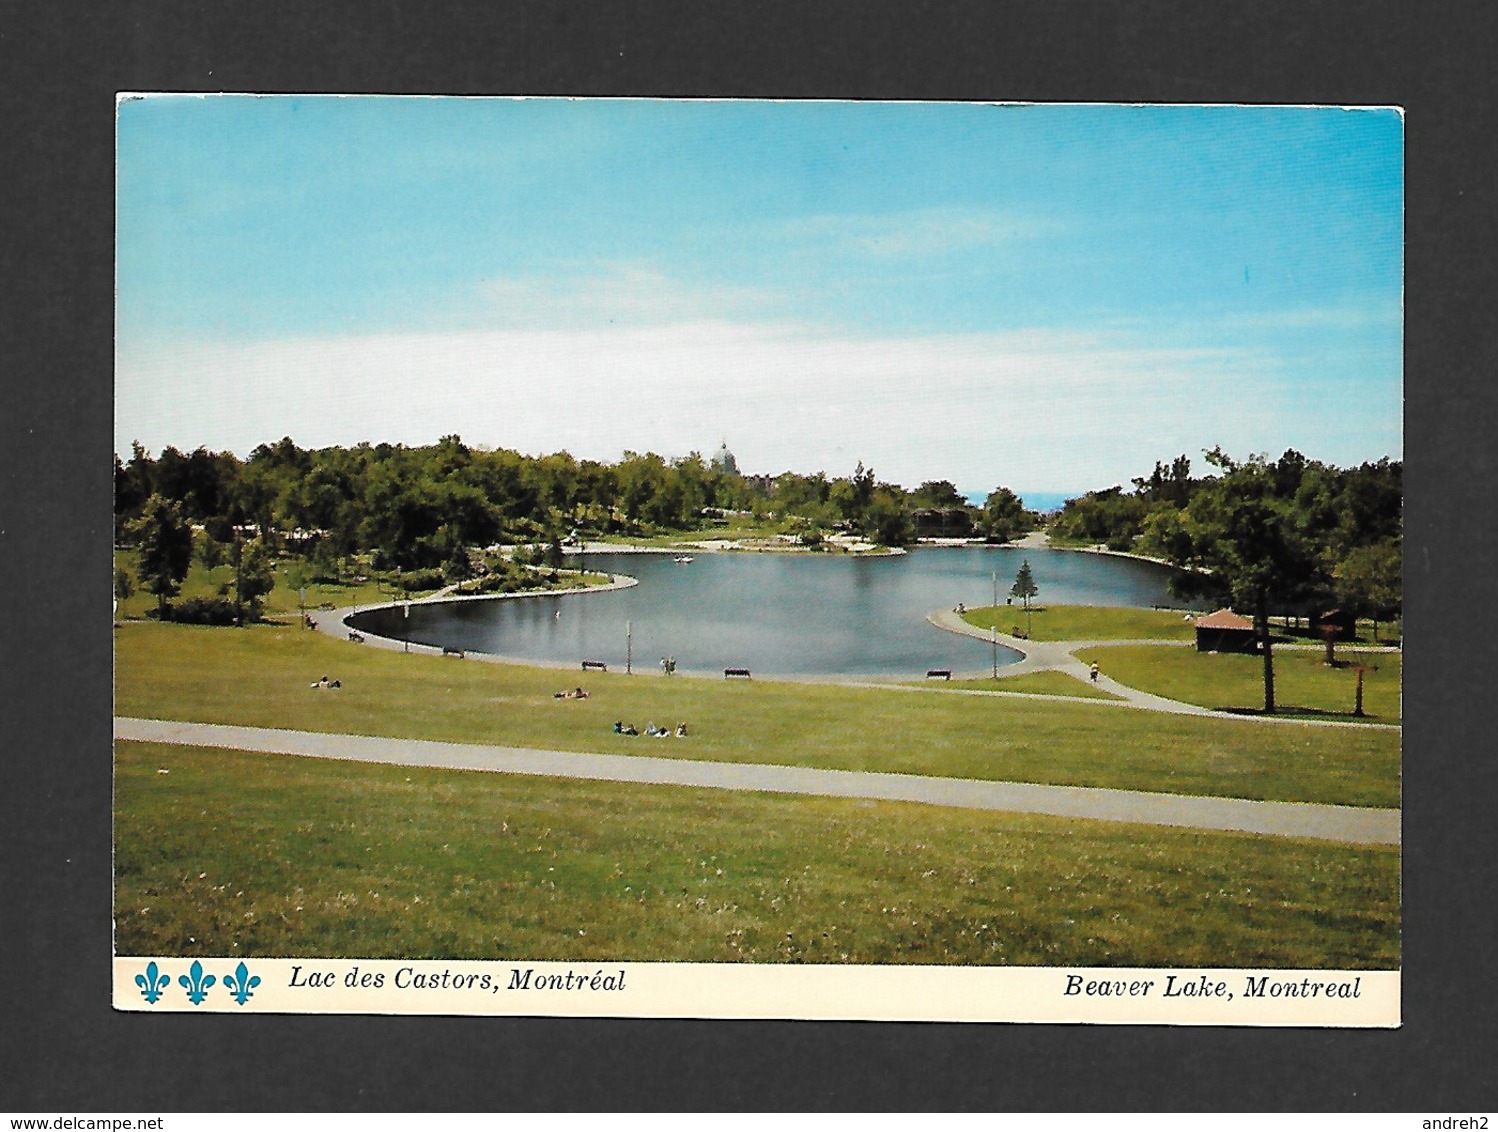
(202,611)
(414,580)
(498,584)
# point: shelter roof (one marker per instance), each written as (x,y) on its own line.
(1224,619)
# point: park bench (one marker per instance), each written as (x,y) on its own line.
(598,664)
(744,672)
(943,673)
(355,636)
(448,650)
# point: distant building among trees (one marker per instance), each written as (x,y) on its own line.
(724,461)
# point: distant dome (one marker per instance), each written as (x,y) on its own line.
(725,462)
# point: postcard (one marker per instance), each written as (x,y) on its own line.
(758,559)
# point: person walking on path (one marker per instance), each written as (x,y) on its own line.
(1093,672)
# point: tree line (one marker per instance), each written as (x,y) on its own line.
(429,507)
(1291,537)
(1281,538)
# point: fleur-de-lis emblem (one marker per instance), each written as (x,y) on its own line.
(241,984)
(152,983)
(197,983)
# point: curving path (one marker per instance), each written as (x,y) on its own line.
(1058,656)
(333,623)
(1279,819)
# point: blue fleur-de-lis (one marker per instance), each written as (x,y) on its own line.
(197,983)
(241,984)
(152,983)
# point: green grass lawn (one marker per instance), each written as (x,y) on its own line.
(1035,683)
(225,853)
(284,602)
(1303,684)
(1085,623)
(281,603)
(260,676)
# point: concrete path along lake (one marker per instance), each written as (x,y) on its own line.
(1283,819)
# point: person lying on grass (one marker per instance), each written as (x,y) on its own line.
(622,728)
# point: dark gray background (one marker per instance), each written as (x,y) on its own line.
(61,1046)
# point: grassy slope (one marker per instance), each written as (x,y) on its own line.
(237,854)
(260,676)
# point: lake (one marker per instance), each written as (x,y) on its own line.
(778,614)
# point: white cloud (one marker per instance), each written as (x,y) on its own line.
(1034,410)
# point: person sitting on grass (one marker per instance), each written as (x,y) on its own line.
(574,694)
(681,730)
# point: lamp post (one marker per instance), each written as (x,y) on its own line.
(629,645)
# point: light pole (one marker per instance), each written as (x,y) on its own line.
(629,645)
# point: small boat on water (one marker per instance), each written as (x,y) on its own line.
(683,560)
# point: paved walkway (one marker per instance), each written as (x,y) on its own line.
(333,622)
(1282,819)
(1058,656)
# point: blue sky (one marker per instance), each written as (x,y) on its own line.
(1047,297)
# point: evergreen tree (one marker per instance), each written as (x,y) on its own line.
(1025,588)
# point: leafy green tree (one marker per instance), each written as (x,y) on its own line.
(211,552)
(459,567)
(938,495)
(885,520)
(1106,516)
(1169,485)
(165,541)
(1370,578)
(132,487)
(1004,515)
(124,585)
(254,577)
(1244,541)
(863,484)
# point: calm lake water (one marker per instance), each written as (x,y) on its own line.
(778,614)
